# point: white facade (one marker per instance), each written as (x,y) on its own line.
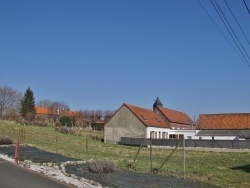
(166,133)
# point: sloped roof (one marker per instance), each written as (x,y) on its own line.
(157,103)
(70,113)
(48,111)
(175,116)
(146,116)
(224,121)
(43,110)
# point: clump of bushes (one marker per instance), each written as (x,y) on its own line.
(5,140)
(101,166)
(32,123)
(63,130)
(95,137)
(66,130)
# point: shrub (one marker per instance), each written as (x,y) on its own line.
(67,121)
(64,130)
(4,140)
(72,131)
(102,166)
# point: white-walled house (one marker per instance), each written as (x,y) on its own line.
(231,126)
(131,121)
(136,122)
(163,123)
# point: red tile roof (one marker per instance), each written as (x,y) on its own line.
(146,116)
(224,121)
(70,113)
(43,110)
(47,111)
(175,116)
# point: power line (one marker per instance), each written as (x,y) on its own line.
(222,15)
(237,22)
(246,6)
(243,59)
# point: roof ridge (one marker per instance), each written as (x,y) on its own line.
(244,113)
(173,110)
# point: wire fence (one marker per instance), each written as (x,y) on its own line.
(86,145)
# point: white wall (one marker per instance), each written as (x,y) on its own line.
(187,133)
(157,130)
(219,137)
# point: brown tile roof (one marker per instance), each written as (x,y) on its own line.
(224,121)
(175,116)
(146,116)
(43,110)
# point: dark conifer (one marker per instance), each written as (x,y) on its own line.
(28,104)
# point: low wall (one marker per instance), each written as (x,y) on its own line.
(232,144)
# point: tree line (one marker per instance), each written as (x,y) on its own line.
(14,102)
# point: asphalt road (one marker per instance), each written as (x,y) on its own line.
(13,176)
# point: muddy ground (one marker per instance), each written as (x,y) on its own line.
(118,179)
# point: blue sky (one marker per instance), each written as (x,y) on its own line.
(99,54)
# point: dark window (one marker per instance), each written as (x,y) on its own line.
(172,136)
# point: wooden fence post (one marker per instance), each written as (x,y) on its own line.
(56,143)
(184,159)
(151,163)
(87,146)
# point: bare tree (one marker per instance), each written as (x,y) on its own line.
(53,105)
(98,114)
(10,99)
(107,114)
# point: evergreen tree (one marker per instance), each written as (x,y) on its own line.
(28,104)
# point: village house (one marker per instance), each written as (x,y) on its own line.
(233,126)
(136,122)
(49,115)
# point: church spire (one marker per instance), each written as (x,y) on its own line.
(157,103)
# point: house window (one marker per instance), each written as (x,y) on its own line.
(200,138)
(164,135)
(159,135)
(158,119)
(173,136)
(155,134)
(144,117)
(152,134)
(189,137)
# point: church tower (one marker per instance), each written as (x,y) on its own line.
(157,103)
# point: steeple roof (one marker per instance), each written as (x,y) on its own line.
(157,103)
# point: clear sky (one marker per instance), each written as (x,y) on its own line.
(98,54)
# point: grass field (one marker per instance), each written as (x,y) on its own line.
(221,169)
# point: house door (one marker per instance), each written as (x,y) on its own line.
(181,136)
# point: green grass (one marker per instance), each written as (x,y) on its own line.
(222,169)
